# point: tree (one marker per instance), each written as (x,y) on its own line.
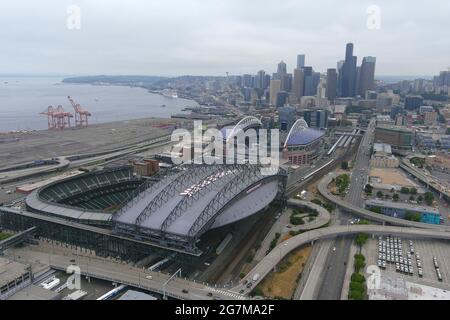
(395,197)
(258,292)
(358,286)
(429,198)
(316,201)
(411,198)
(360,262)
(368,189)
(342,182)
(355,295)
(375,209)
(357,277)
(296,220)
(404,190)
(344,165)
(419,198)
(413,216)
(361,239)
(413,190)
(329,206)
(380,194)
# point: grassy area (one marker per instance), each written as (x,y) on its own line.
(282,283)
(4,235)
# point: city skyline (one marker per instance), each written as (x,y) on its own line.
(214,38)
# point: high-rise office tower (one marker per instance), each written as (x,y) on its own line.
(286,82)
(286,118)
(266,81)
(311,82)
(247,80)
(349,73)
(275,87)
(298,83)
(367,75)
(259,80)
(331,84)
(281,70)
(339,66)
(282,98)
(300,61)
(316,118)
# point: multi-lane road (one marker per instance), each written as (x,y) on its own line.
(269,262)
(335,267)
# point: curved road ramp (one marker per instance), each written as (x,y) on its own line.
(269,262)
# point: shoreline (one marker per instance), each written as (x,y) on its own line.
(15,125)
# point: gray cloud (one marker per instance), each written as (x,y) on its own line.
(172,37)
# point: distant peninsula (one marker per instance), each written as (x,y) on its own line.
(115,80)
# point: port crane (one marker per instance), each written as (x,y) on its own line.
(57,118)
(81,114)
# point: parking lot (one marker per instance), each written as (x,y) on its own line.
(411,259)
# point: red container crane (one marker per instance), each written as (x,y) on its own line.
(81,114)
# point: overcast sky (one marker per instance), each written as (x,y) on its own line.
(209,37)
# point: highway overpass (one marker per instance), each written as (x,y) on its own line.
(269,262)
(367,214)
(430,181)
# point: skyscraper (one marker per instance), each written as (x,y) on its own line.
(331,84)
(275,87)
(281,70)
(316,118)
(286,118)
(298,83)
(266,81)
(311,81)
(367,75)
(340,64)
(286,82)
(281,99)
(300,61)
(259,80)
(348,83)
(247,80)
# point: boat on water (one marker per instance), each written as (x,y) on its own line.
(163,106)
(170,93)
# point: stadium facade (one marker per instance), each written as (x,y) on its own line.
(302,144)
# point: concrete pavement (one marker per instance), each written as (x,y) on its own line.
(266,265)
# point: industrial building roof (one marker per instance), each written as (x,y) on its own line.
(382,147)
